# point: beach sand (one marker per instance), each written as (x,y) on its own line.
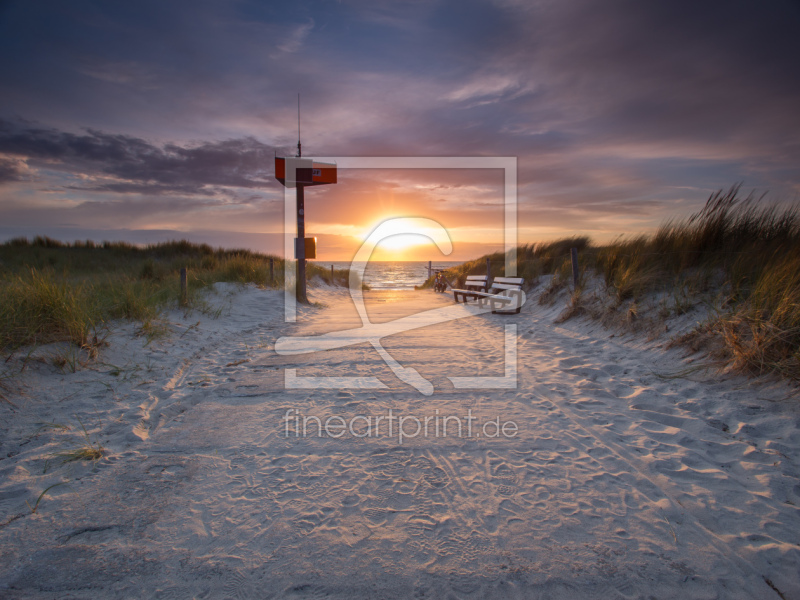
(624,479)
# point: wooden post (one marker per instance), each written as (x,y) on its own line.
(333,281)
(429,270)
(301,249)
(574,253)
(272,271)
(184,300)
(488,270)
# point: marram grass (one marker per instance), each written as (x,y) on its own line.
(57,292)
(742,249)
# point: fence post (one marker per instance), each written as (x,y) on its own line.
(271,271)
(429,269)
(332,280)
(574,253)
(488,269)
(184,288)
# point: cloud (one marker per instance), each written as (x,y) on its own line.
(489,88)
(295,39)
(125,164)
(9,171)
(128,73)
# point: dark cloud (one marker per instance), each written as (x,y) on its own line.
(663,73)
(134,165)
(9,171)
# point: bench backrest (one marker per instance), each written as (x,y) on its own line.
(507,283)
(476,281)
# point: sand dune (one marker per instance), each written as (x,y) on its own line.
(619,481)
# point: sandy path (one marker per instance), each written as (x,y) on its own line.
(618,484)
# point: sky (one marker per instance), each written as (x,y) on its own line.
(155,120)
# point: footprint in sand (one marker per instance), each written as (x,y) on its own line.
(376,514)
(437,477)
(240,586)
(421,524)
(421,550)
(241,461)
(424,469)
(505,479)
(306,523)
(454,548)
(351,500)
(391,464)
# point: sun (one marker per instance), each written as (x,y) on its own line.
(404,241)
(397,245)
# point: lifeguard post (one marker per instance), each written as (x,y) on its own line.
(300,173)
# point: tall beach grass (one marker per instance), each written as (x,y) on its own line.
(53,291)
(740,251)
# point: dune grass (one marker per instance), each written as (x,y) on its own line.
(58,292)
(742,251)
(748,253)
(35,506)
(86,449)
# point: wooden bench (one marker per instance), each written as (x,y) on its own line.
(474,283)
(504,291)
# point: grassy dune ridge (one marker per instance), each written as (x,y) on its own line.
(738,255)
(53,291)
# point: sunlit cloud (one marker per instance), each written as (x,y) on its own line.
(488,89)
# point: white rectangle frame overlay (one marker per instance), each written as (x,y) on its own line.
(509,167)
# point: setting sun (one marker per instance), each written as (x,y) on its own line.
(402,237)
(401,241)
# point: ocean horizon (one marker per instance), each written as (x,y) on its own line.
(394,275)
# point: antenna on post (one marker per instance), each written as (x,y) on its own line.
(299,149)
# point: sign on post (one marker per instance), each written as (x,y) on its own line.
(309,248)
(304,171)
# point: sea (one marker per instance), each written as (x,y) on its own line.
(394,275)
